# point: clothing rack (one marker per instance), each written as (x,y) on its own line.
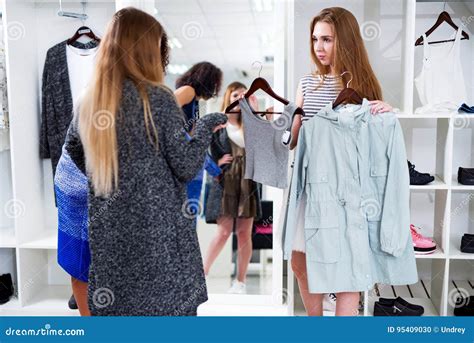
(82,16)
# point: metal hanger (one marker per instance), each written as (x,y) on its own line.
(347,95)
(83,30)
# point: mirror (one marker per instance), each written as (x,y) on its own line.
(232,35)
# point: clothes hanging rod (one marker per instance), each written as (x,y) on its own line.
(82,16)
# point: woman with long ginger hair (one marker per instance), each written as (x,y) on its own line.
(339,55)
(127,136)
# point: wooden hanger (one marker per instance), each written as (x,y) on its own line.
(83,31)
(444,17)
(261,83)
(347,95)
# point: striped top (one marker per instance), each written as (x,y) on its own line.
(315,99)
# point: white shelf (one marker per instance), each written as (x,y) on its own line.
(436,184)
(456,186)
(464,116)
(424,116)
(47,240)
(10,306)
(51,301)
(437,254)
(7,237)
(430,309)
(455,252)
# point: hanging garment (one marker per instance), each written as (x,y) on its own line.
(71,189)
(318,91)
(352,167)
(80,64)
(266,156)
(56,101)
(144,250)
(440,84)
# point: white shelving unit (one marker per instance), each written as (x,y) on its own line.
(437,143)
(28,224)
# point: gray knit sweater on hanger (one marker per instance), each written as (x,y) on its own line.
(266,156)
(145,255)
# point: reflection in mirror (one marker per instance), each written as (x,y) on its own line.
(214,45)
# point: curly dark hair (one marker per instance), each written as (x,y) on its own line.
(204,77)
(165,51)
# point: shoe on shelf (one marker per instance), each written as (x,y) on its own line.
(466,176)
(422,245)
(329,302)
(467,243)
(6,288)
(72,303)
(464,306)
(398,307)
(417,178)
(237,288)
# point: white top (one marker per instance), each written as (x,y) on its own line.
(440,84)
(80,68)
(236,134)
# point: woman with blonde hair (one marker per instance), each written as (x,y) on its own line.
(230,197)
(127,136)
(339,55)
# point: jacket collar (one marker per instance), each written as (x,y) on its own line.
(357,112)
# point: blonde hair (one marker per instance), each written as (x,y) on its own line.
(134,46)
(226,101)
(349,53)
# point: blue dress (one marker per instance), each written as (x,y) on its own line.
(191,110)
(72,189)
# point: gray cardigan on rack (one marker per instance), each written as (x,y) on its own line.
(56,101)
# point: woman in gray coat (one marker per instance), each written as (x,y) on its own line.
(128,137)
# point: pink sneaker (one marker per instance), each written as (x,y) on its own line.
(421,245)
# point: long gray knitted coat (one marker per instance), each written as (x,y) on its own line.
(145,256)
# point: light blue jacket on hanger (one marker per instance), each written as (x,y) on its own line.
(353,167)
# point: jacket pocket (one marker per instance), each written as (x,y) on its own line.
(318,186)
(322,233)
(378,173)
(374,238)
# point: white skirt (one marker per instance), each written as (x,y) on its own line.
(299,242)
